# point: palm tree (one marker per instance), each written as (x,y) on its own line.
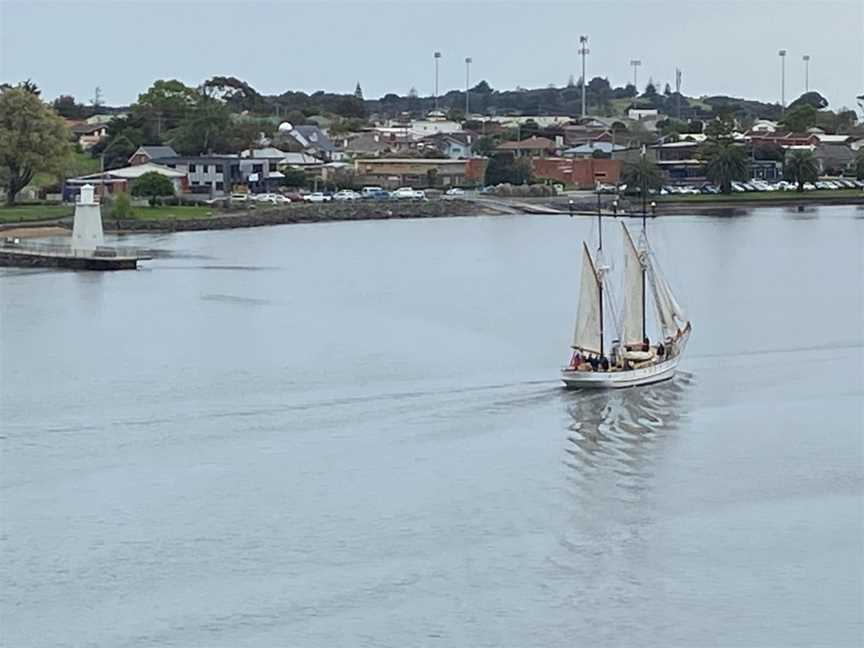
(801,168)
(725,163)
(643,175)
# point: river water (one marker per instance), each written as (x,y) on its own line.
(352,435)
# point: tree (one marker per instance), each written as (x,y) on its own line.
(66,106)
(485,146)
(33,138)
(504,168)
(859,165)
(166,103)
(118,152)
(800,168)
(725,162)
(294,177)
(203,129)
(236,93)
(358,92)
(800,118)
(650,89)
(122,206)
(812,98)
(153,185)
(643,175)
(667,90)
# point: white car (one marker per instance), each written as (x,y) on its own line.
(419,194)
(346,194)
(455,191)
(317,197)
(405,193)
(272,199)
(370,191)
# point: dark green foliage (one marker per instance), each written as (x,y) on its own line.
(643,175)
(294,177)
(812,99)
(504,168)
(800,168)
(725,162)
(800,118)
(153,185)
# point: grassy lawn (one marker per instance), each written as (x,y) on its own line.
(23,213)
(168,212)
(756,196)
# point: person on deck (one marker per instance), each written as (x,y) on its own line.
(661,350)
(646,345)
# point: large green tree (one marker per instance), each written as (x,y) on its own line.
(153,185)
(800,118)
(725,162)
(800,168)
(504,168)
(33,138)
(643,175)
(166,104)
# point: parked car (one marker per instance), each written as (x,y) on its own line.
(272,198)
(317,197)
(404,193)
(455,191)
(239,197)
(368,192)
(381,194)
(419,194)
(346,194)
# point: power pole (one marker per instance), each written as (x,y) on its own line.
(468,61)
(678,91)
(583,51)
(782,54)
(635,63)
(437,58)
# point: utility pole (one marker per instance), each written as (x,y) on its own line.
(583,51)
(437,58)
(635,63)
(782,54)
(468,61)
(678,91)
(806,59)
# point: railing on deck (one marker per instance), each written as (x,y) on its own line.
(56,249)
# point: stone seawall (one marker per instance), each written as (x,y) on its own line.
(305,213)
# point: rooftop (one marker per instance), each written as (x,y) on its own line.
(533,143)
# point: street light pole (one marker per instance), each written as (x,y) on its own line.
(806,59)
(583,51)
(782,54)
(635,63)
(437,57)
(468,61)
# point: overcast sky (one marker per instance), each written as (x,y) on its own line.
(723,47)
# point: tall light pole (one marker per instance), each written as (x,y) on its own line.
(437,57)
(583,51)
(806,59)
(468,62)
(635,63)
(782,54)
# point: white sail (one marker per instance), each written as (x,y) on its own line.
(586,335)
(669,312)
(632,317)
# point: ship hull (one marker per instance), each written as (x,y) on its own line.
(629,378)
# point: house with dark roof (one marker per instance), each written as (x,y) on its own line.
(309,139)
(88,135)
(455,146)
(146,154)
(533,146)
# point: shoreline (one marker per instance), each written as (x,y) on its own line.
(350,211)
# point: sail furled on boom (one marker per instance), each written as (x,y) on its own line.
(669,313)
(586,335)
(632,316)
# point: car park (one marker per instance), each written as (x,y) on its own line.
(405,193)
(272,199)
(454,191)
(346,194)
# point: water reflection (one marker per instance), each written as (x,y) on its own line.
(611,435)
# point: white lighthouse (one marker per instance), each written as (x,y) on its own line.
(87,226)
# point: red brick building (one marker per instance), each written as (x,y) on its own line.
(583,173)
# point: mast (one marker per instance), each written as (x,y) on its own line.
(644,237)
(599,258)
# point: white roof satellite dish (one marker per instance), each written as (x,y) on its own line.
(285,127)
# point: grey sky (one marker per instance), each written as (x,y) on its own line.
(723,47)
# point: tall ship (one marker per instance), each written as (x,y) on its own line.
(627,357)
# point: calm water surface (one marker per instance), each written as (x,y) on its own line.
(352,435)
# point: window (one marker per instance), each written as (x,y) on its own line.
(172,166)
(191,168)
(257,168)
(218,168)
(219,186)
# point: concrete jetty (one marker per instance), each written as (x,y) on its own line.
(87,250)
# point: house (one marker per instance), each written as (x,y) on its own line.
(146,154)
(764,126)
(88,135)
(584,173)
(590,149)
(380,140)
(533,146)
(831,159)
(104,118)
(419,172)
(117,180)
(308,139)
(643,114)
(207,174)
(454,145)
